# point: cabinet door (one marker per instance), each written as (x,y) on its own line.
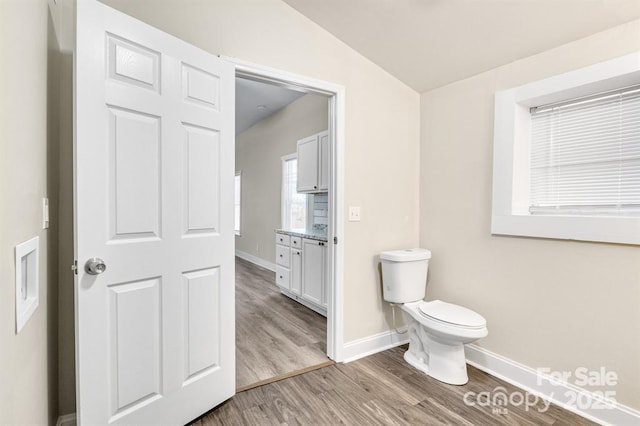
(283,256)
(312,271)
(283,278)
(323,166)
(308,164)
(295,278)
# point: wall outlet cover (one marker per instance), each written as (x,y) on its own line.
(354,213)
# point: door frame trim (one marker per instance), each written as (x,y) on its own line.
(336,94)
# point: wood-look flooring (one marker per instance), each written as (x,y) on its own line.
(381,389)
(275,336)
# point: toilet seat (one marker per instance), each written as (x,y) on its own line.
(452,315)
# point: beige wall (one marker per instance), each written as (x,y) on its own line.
(28,172)
(548,303)
(258,154)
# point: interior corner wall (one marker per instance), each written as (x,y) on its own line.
(28,172)
(548,303)
(258,155)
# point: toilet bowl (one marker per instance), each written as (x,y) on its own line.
(437,330)
(437,338)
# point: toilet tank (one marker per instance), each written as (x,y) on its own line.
(404,274)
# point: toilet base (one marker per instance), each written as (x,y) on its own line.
(444,361)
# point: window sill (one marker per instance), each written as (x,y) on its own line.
(620,230)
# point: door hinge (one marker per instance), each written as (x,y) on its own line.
(335,240)
(74,267)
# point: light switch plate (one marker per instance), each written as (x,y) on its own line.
(354,213)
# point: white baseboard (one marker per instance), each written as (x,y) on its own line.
(370,345)
(67,420)
(563,394)
(256,260)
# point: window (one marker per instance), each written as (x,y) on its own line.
(585,155)
(567,155)
(294,206)
(237,202)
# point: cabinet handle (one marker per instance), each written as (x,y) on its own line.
(315,187)
(280,255)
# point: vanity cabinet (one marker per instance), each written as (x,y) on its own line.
(300,270)
(313,163)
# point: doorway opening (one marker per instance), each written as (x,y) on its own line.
(288,242)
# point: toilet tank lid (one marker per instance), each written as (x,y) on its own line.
(406,255)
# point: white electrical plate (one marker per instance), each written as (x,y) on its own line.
(354,213)
(27,281)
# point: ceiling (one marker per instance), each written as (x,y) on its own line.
(256,101)
(430,43)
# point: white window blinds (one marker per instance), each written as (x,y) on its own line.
(585,155)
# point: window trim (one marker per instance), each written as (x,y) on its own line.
(238,232)
(512,126)
(309,218)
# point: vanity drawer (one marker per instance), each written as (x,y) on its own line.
(296,242)
(282,277)
(282,239)
(283,256)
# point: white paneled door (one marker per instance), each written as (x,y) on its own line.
(154,179)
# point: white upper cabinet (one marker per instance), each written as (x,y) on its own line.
(313,163)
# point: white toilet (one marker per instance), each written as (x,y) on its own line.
(437,330)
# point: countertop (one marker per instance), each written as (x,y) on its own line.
(305,233)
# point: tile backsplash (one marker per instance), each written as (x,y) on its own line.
(320,211)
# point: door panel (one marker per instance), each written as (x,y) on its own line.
(134,159)
(202,325)
(135,342)
(132,63)
(202,186)
(200,87)
(154,177)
